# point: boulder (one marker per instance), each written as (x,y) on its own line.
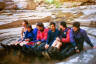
(31,5)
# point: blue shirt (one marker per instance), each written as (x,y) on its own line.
(52,36)
(29,35)
(35,30)
(79,37)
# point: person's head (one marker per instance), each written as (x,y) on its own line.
(63,25)
(24,23)
(52,26)
(29,27)
(40,26)
(76,26)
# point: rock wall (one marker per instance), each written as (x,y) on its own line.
(17,4)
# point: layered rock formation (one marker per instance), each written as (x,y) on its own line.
(17,4)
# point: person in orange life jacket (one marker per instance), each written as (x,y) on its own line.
(79,36)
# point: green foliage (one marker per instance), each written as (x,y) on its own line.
(57,3)
(49,1)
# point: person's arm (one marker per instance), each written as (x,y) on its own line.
(25,37)
(48,38)
(38,36)
(22,31)
(45,36)
(67,39)
(86,38)
(72,40)
(35,33)
(58,36)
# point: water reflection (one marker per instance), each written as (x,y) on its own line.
(17,57)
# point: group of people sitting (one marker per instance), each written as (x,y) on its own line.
(56,43)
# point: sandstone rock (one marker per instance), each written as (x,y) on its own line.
(2,5)
(31,5)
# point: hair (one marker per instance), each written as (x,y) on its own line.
(40,24)
(26,22)
(76,24)
(63,23)
(52,23)
(29,26)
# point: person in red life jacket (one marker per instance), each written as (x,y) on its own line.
(41,34)
(64,37)
(40,40)
(77,36)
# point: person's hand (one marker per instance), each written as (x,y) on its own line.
(38,43)
(46,46)
(21,37)
(77,51)
(58,39)
(27,39)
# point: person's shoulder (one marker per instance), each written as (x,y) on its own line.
(57,29)
(22,28)
(35,29)
(46,29)
(50,30)
(26,32)
(82,30)
(68,29)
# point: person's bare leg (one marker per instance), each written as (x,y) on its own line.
(54,43)
(59,44)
